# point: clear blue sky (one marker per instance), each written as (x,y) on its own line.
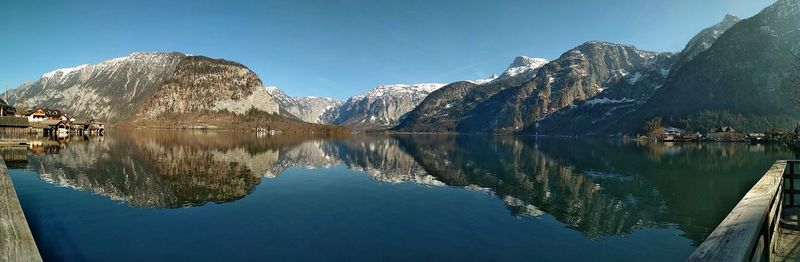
(343,48)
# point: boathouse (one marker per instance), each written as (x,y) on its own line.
(50,127)
(13,126)
(93,127)
(7,110)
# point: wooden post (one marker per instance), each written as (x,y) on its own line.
(791,184)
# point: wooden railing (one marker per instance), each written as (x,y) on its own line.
(747,233)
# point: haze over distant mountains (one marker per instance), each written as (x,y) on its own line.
(740,73)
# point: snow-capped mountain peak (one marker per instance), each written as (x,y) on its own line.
(135,57)
(63,71)
(523,64)
(394,89)
(383,106)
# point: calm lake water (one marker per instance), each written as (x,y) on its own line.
(171,196)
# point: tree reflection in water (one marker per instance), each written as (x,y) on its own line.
(598,187)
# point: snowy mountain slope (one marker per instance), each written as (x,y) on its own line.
(312,109)
(147,85)
(383,106)
(108,90)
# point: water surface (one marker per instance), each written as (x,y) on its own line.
(155,196)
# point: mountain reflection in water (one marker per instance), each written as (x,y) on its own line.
(598,187)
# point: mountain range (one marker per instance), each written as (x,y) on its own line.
(739,73)
(748,78)
(162,90)
(601,113)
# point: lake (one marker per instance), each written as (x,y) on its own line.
(210,196)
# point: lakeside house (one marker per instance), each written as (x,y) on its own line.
(36,115)
(671,134)
(43,120)
(55,121)
(41,114)
(725,134)
(674,134)
(722,129)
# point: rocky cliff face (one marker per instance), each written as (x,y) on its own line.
(740,73)
(703,40)
(202,84)
(145,85)
(442,108)
(531,89)
(312,109)
(624,96)
(382,107)
(578,75)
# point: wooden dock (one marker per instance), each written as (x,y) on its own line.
(764,224)
(16,240)
(13,142)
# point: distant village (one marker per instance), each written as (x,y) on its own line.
(722,134)
(45,121)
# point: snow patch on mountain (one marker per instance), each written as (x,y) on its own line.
(483,81)
(399,89)
(633,79)
(63,71)
(605,101)
(523,65)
